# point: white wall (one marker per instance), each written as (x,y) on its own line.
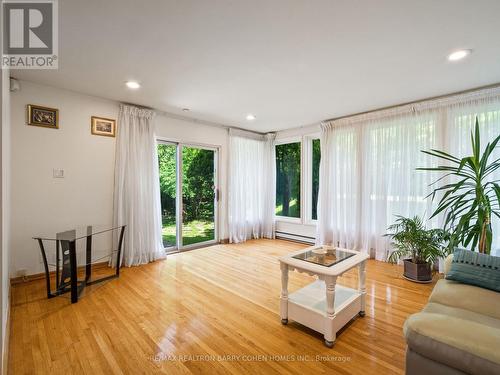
(41,203)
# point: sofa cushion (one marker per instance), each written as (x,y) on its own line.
(463,344)
(437,308)
(476,269)
(467,297)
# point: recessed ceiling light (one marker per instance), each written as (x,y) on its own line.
(459,55)
(250,117)
(132,84)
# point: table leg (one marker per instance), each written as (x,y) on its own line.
(119,252)
(330,334)
(284,293)
(362,286)
(73,271)
(46,268)
(88,258)
(58,283)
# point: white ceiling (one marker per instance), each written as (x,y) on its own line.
(289,62)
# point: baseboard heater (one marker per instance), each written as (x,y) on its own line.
(295,237)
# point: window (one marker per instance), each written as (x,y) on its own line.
(167,170)
(316,157)
(288,179)
(297,179)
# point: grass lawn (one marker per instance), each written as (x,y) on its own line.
(293,209)
(193,232)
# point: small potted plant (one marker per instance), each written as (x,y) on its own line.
(419,247)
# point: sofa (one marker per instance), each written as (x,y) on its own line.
(458,331)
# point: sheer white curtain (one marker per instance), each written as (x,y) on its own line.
(339,188)
(251,186)
(368,176)
(391,152)
(137,192)
(368,166)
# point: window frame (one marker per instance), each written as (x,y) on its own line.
(306,172)
(179,246)
(308,169)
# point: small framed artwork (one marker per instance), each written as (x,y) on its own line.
(103,126)
(43,116)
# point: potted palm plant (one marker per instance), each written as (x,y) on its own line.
(417,246)
(471,199)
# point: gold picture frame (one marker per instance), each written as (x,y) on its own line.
(103,126)
(43,116)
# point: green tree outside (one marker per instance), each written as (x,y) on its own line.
(198,179)
(316,158)
(288,179)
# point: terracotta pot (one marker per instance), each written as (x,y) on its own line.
(417,271)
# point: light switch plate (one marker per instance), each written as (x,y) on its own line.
(58,173)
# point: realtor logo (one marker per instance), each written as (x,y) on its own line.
(29,34)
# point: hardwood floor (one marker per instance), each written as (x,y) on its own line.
(179,315)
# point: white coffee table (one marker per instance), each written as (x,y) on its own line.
(322,305)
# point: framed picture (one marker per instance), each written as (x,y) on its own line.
(103,126)
(43,116)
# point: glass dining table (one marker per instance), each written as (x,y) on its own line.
(66,266)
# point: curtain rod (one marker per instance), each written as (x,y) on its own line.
(195,120)
(494,85)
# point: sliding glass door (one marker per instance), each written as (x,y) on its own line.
(188,189)
(167,165)
(198,195)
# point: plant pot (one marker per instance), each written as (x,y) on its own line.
(417,271)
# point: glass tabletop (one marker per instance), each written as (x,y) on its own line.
(77,233)
(324,257)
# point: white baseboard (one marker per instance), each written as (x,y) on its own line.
(295,237)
